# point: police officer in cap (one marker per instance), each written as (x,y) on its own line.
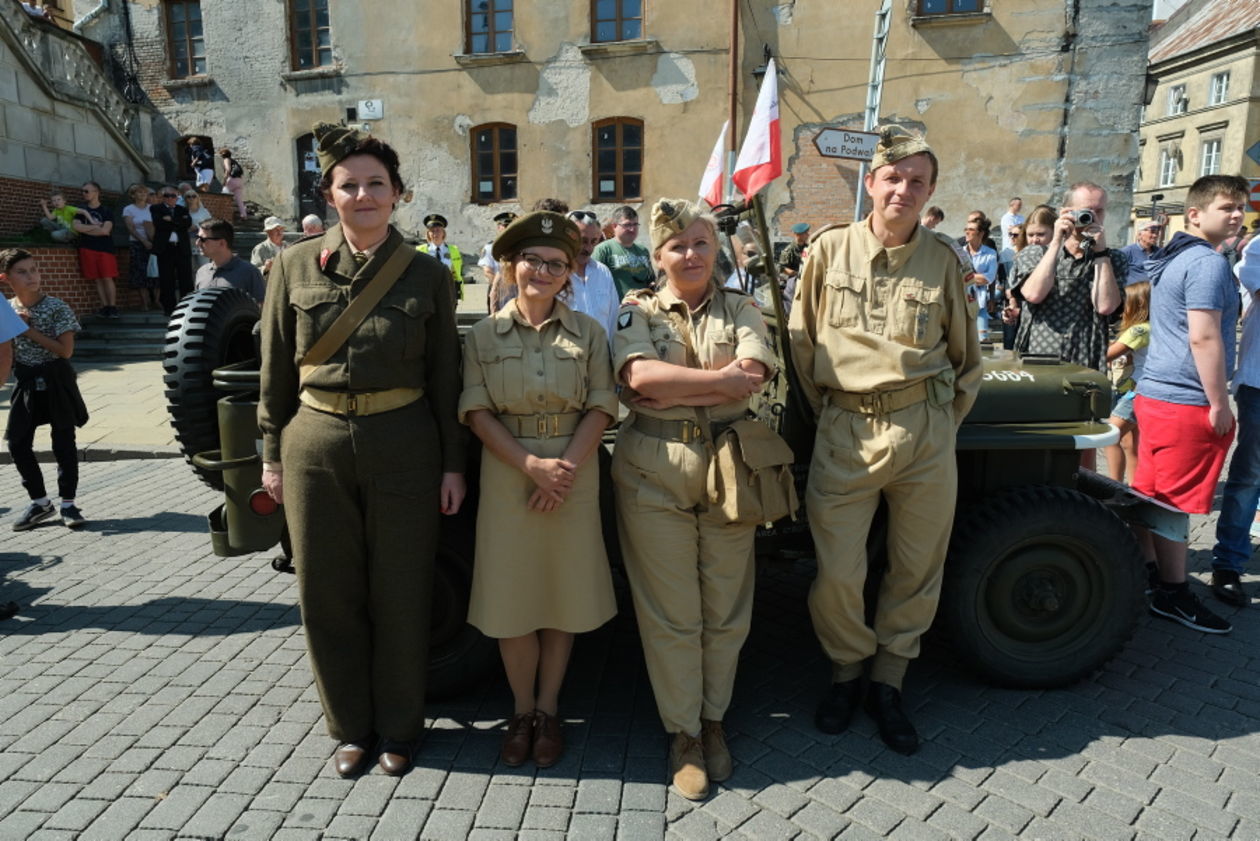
(436,246)
(888,358)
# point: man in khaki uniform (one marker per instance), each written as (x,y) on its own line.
(888,357)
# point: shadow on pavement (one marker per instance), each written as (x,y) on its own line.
(168,615)
(165,521)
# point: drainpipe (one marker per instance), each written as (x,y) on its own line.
(81,23)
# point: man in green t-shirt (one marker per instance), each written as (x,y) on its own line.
(630,264)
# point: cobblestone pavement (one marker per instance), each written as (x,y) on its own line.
(150,690)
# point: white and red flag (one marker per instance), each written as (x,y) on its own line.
(761,157)
(711,182)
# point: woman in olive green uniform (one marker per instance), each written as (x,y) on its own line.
(538,392)
(691,573)
(363,449)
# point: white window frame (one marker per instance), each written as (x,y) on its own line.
(1167,168)
(1210,157)
(1177,102)
(1218,90)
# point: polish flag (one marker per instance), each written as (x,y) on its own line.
(711,182)
(761,157)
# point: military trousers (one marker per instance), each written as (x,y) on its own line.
(361,502)
(691,576)
(907,456)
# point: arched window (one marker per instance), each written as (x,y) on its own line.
(493,162)
(617,159)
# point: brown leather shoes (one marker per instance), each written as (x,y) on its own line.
(548,740)
(519,740)
(717,756)
(686,767)
(351,758)
(395,757)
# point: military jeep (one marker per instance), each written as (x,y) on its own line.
(1043,581)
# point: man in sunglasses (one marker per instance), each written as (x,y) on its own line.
(630,263)
(214,239)
(171,224)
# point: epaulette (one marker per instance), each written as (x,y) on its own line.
(637,294)
(833,226)
(307,237)
(964,262)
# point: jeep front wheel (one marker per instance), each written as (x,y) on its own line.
(1042,586)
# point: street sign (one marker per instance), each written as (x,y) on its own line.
(1254,152)
(1253,197)
(842,143)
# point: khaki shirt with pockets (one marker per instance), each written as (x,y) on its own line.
(725,327)
(869,318)
(512,368)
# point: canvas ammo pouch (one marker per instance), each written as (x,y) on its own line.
(750,475)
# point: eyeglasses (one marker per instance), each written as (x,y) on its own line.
(584,216)
(200,238)
(170,195)
(555,268)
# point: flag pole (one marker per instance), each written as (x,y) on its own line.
(874,91)
(728,186)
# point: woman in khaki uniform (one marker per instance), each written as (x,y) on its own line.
(538,392)
(363,449)
(691,572)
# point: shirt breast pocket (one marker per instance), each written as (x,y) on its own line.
(846,298)
(504,370)
(403,328)
(315,308)
(721,343)
(668,344)
(569,379)
(918,319)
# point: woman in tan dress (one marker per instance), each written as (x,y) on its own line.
(690,571)
(538,392)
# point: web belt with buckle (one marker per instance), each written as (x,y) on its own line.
(541,426)
(359,404)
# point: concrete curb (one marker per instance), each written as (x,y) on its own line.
(107,452)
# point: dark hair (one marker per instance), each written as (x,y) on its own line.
(225,152)
(936,213)
(219,228)
(378,149)
(10,257)
(624,212)
(554,205)
(94,184)
(1206,189)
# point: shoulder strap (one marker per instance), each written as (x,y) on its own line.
(352,316)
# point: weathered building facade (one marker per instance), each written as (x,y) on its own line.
(493,105)
(1204,112)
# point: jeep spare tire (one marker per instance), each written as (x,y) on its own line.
(1043,585)
(209,328)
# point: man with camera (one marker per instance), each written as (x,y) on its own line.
(1070,286)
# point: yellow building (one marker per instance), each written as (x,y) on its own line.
(494,104)
(1204,111)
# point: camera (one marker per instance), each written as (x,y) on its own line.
(1083,218)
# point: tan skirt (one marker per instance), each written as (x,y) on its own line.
(536,570)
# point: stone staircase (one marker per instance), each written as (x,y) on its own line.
(133,335)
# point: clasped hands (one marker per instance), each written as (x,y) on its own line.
(554,478)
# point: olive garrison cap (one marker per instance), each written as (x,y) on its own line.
(671,217)
(334,143)
(435,220)
(543,227)
(896,143)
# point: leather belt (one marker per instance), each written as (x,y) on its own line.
(879,402)
(359,404)
(686,431)
(541,426)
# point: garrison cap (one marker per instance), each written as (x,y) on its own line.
(671,217)
(800,228)
(435,220)
(896,143)
(507,217)
(542,227)
(334,143)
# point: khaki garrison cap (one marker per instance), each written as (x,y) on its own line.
(671,217)
(896,143)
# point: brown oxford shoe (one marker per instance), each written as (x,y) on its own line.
(395,757)
(548,740)
(518,741)
(351,758)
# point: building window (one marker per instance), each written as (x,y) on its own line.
(489,26)
(1167,167)
(618,153)
(949,7)
(310,39)
(1177,102)
(1220,88)
(616,20)
(187,44)
(1210,157)
(494,163)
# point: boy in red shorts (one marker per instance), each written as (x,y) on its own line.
(1182,401)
